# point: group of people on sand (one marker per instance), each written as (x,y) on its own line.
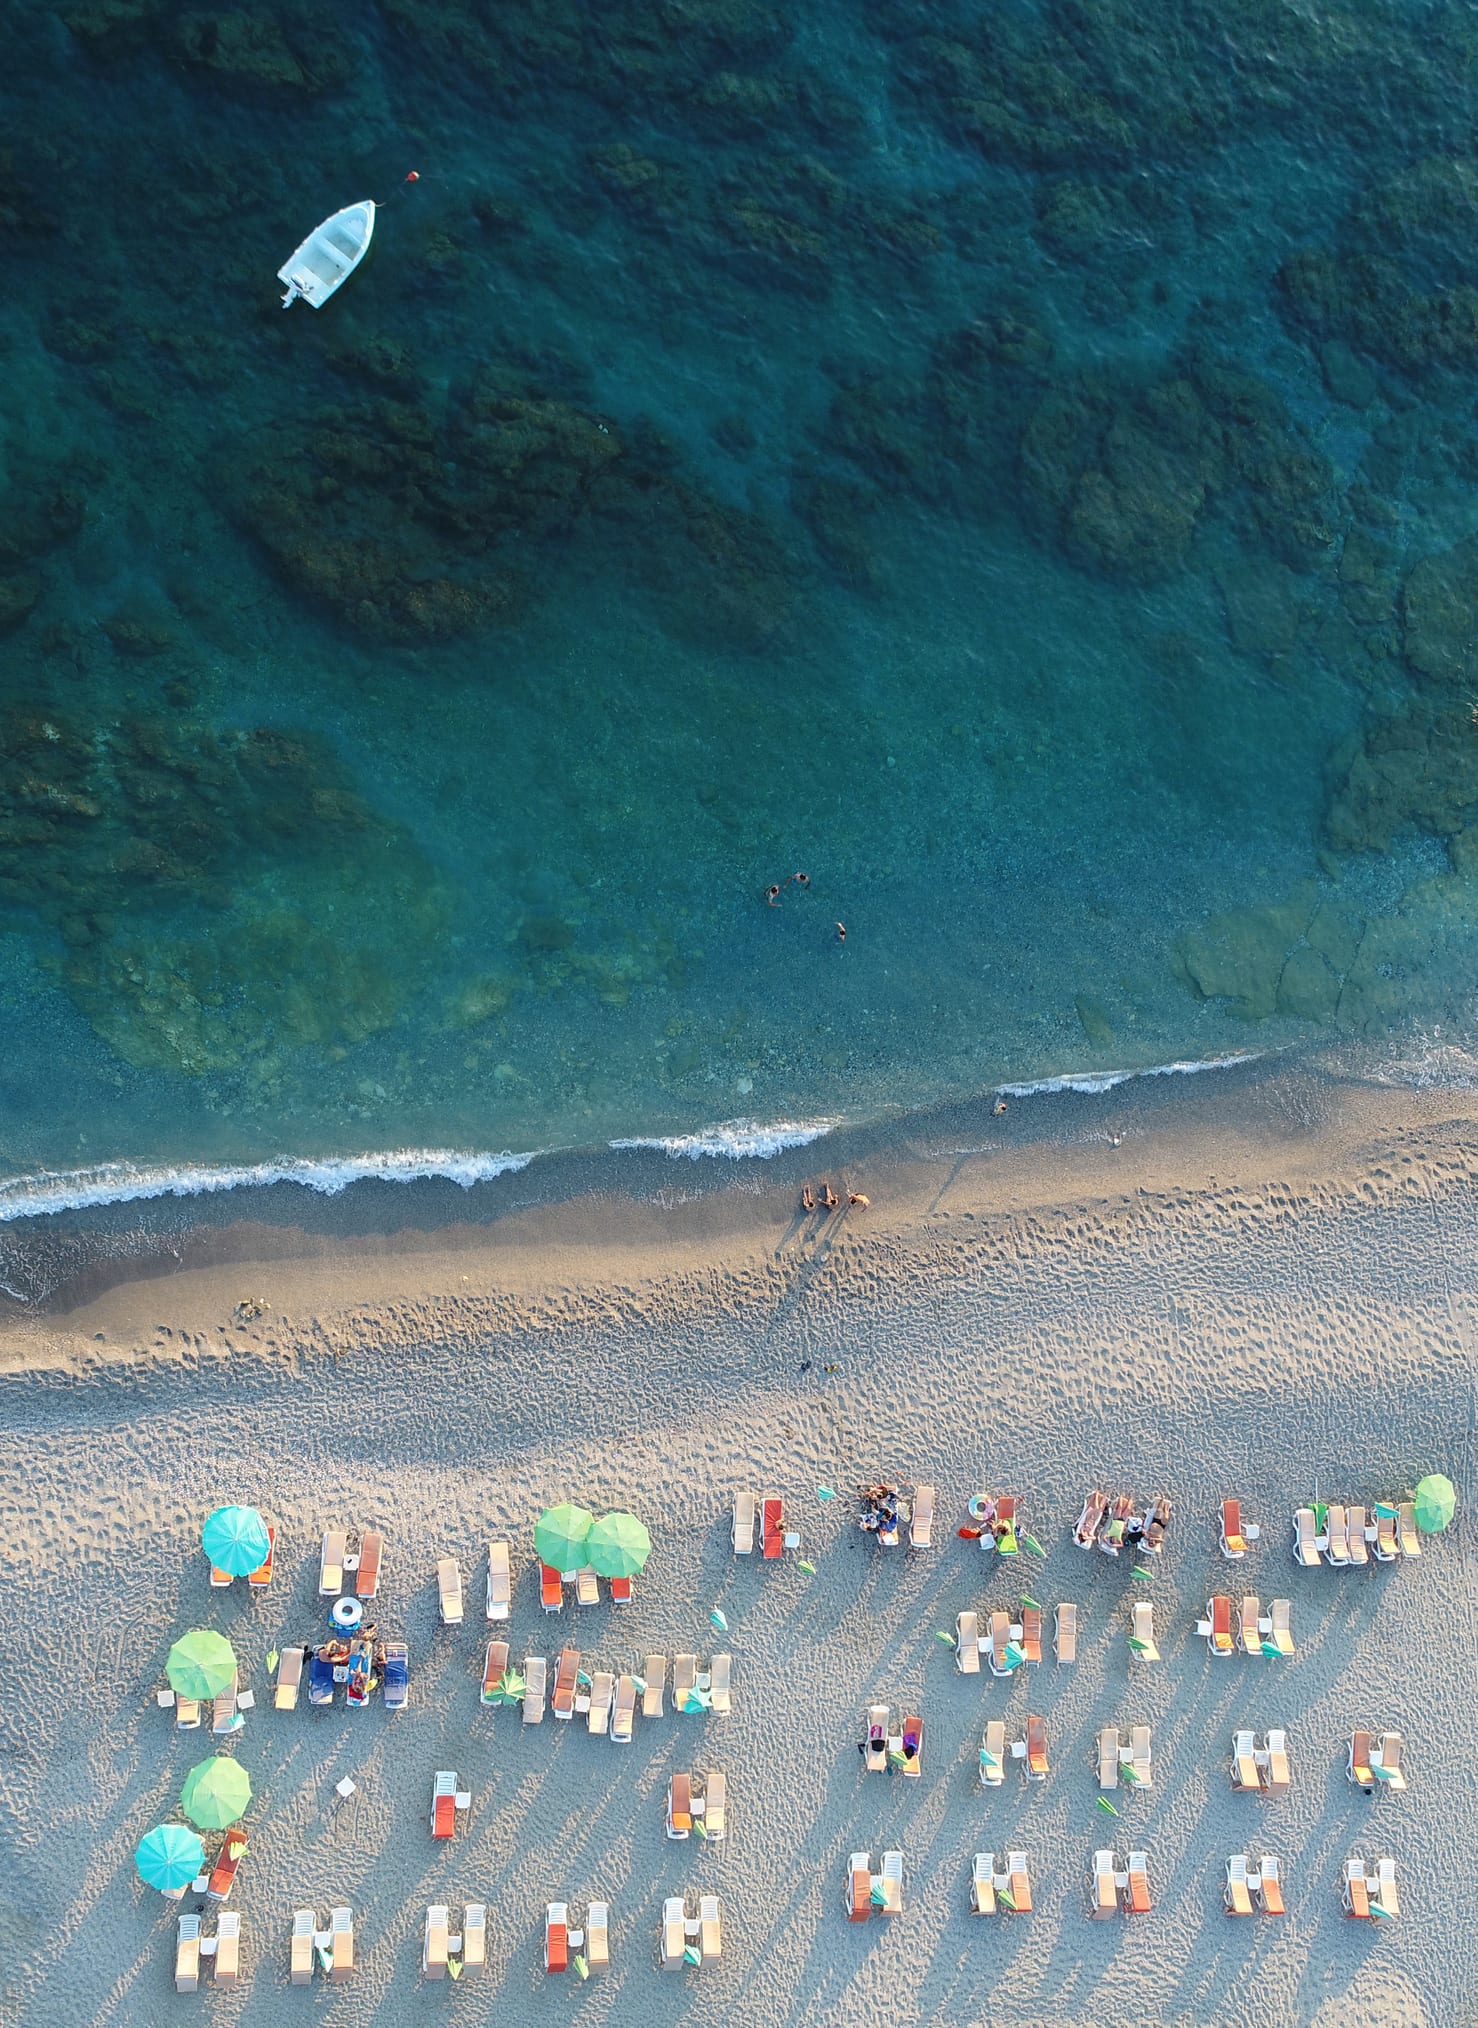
(884,1507)
(1114,1525)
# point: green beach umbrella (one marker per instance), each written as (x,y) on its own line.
(1105,1805)
(809,1570)
(559,1536)
(236,1539)
(1271,1649)
(169,1857)
(1436,1503)
(617,1546)
(693,1956)
(200,1664)
(216,1792)
(1033,1545)
(509,1688)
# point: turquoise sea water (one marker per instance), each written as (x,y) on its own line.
(1014,466)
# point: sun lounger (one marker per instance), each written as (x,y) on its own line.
(620,1590)
(1091,1519)
(225,1717)
(557,1937)
(967,1643)
(187,1955)
(566,1670)
(921,1520)
(1037,1767)
(1111,1534)
(300,1956)
(1238,1894)
(743,1530)
(1139,1756)
(623,1712)
(367,1574)
(1408,1534)
(684,1678)
(320,1678)
(1385,1762)
(1357,1768)
(715,1806)
(1104,1891)
(982,1884)
(857,1896)
(1267,1886)
(993,1754)
(258,1580)
(1306,1537)
(1274,1762)
(444,1804)
(1385,1894)
(395,1685)
(911,1744)
(534,1674)
(587,1587)
(1356,1895)
(772,1528)
(494,1669)
(1137,1888)
(449,1591)
(1142,1631)
(1234,1537)
(341,1946)
(474,1936)
(1217,1626)
(223,1873)
(718,1685)
(1015,1891)
(220,1580)
(1246,1774)
(891,1880)
(1066,1627)
(1336,1526)
(598,1935)
(434,1942)
(655,1677)
(331,1563)
(999,1640)
(289,1677)
(1277,1629)
(1031,1634)
(1007,1543)
(551,1589)
(875,1758)
(1355,1534)
(1108,1757)
(187,1714)
(228,1947)
(680,1806)
(500,1581)
(1386,1546)
(1247,1626)
(673,1935)
(710,1927)
(602,1696)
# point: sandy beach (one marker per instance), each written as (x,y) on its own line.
(1266,1299)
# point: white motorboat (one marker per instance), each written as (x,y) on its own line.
(329,255)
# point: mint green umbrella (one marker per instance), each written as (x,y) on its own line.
(216,1792)
(559,1536)
(617,1545)
(200,1665)
(169,1857)
(1436,1503)
(236,1540)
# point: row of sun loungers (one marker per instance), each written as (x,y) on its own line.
(220,1950)
(1009,1644)
(589,1943)
(885,1750)
(330,1950)
(992,1891)
(1244,1629)
(767,1515)
(258,1580)
(690,1939)
(1114,1526)
(1260,1770)
(698,1804)
(1344,1536)
(608,1700)
(1031,1751)
(350,1560)
(445,1950)
(1114,1887)
(867,1893)
(1377,1764)
(1118,1762)
(1370,1895)
(1248,1892)
(585,1584)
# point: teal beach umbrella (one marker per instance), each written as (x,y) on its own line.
(216,1792)
(559,1536)
(617,1546)
(169,1857)
(1435,1502)
(200,1664)
(236,1540)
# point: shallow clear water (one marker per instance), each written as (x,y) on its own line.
(966,458)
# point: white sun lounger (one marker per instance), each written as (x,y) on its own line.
(602,1697)
(1246,1774)
(710,1927)
(449,1591)
(300,1960)
(1238,1891)
(921,1520)
(623,1712)
(1267,1885)
(187,1955)
(474,1936)
(341,1946)
(684,1678)
(1278,1626)
(228,1947)
(1385,1762)
(331,1562)
(289,1677)
(225,1717)
(500,1581)
(587,1587)
(1067,1634)
(1274,1762)
(187,1714)
(891,1878)
(1307,1541)
(993,1754)
(1408,1534)
(718,1684)
(655,1679)
(1139,1763)
(875,1757)
(1385,1894)
(1014,1887)
(1108,1757)
(434,1942)
(715,1806)
(1336,1525)
(744,1517)
(1142,1630)
(1355,1534)
(1104,1891)
(982,1884)
(535,1671)
(598,1935)
(674,1934)
(967,1643)
(1248,1618)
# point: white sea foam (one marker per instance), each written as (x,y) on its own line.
(1105,1080)
(738,1139)
(124,1182)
